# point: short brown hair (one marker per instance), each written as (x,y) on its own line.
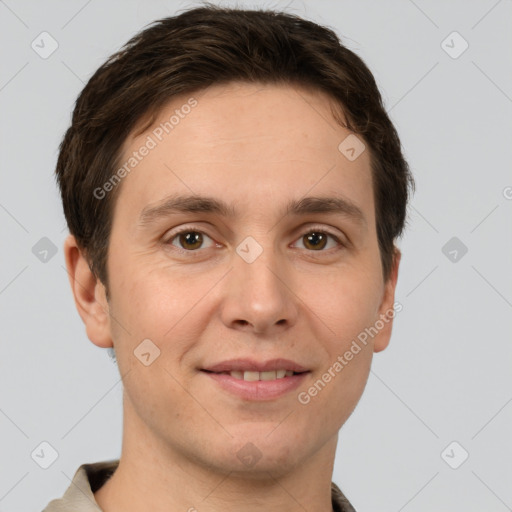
(213,45)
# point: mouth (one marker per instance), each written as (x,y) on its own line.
(253,376)
(253,380)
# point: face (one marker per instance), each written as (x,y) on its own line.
(272,276)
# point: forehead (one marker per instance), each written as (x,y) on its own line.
(253,145)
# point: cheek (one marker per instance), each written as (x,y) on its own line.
(152,330)
(159,304)
(157,397)
(152,298)
(347,306)
(332,396)
(346,301)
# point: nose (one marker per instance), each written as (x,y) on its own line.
(259,296)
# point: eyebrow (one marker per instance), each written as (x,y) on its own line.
(204,204)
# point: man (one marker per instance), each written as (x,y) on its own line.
(233,189)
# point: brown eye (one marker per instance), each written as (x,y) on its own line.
(189,240)
(317,240)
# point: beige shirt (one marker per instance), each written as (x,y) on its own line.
(89,478)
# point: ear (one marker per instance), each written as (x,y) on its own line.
(386,309)
(89,294)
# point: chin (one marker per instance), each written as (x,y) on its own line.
(275,465)
(257,450)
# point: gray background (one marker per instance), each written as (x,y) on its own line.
(446,375)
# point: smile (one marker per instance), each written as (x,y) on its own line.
(252,376)
(257,386)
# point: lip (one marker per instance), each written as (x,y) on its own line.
(256,366)
(257,390)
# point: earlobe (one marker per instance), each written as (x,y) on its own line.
(386,310)
(89,295)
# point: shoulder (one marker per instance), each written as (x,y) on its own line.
(79,496)
(339,502)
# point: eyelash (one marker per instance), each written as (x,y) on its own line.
(191,229)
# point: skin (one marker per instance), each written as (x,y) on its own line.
(255,147)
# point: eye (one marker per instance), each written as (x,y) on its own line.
(317,240)
(189,239)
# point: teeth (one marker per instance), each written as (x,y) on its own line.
(251,376)
(254,376)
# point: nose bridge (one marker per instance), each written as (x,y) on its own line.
(259,295)
(257,266)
